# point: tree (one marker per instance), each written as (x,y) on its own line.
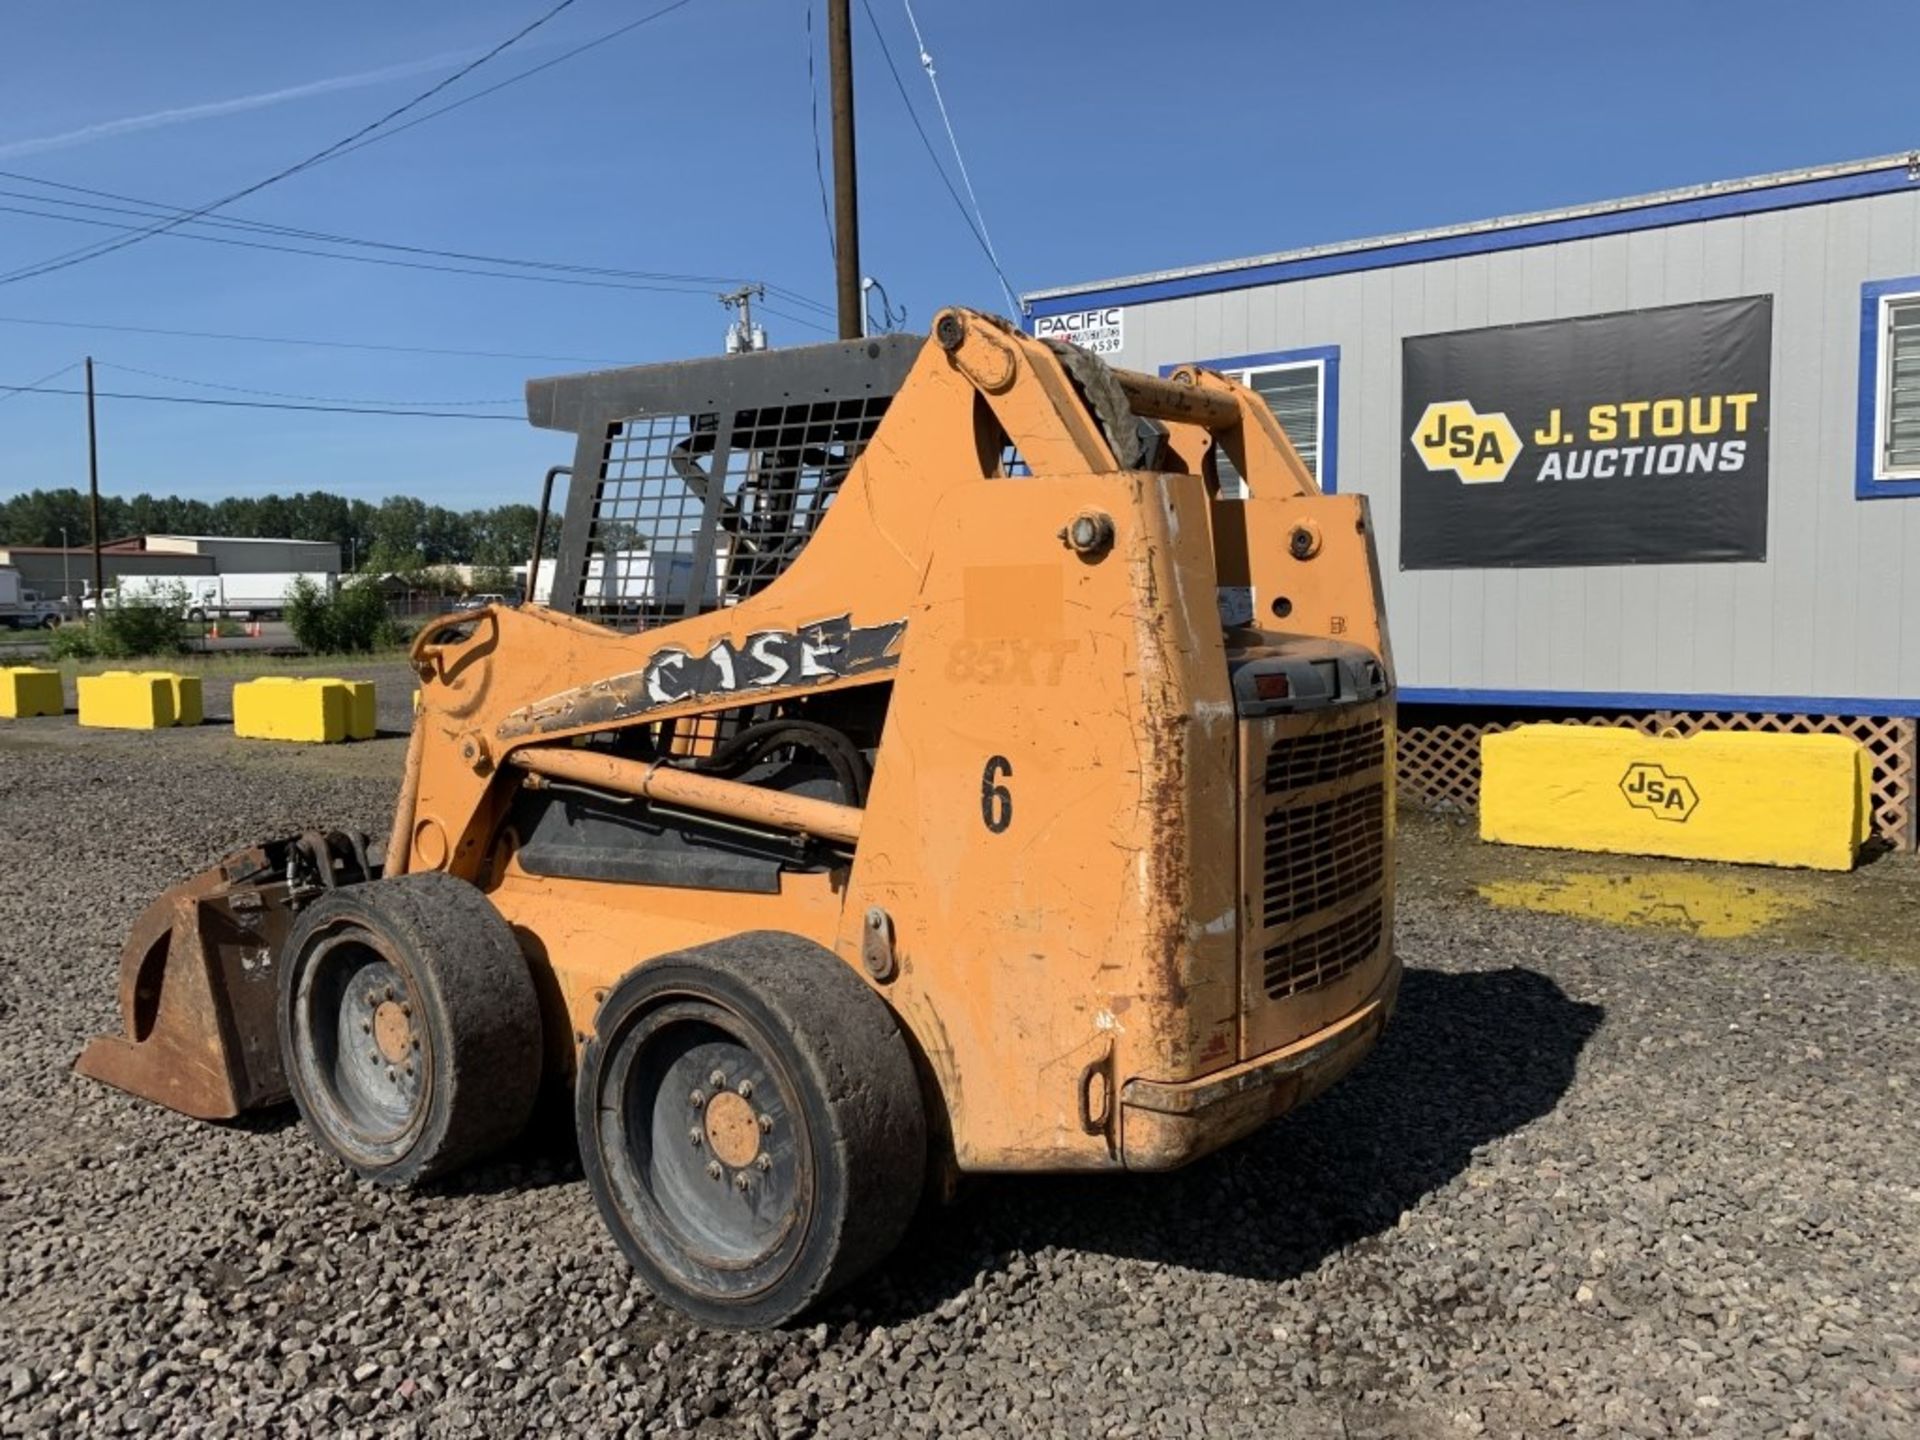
(400,533)
(36,517)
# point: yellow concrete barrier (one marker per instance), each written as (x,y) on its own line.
(29,690)
(138,699)
(188,707)
(318,711)
(1801,800)
(361,712)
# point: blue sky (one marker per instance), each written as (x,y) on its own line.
(1104,137)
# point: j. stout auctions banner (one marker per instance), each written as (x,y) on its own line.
(1609,440)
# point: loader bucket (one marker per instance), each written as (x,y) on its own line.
(197,987)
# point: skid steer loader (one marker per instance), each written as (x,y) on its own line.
(940,757)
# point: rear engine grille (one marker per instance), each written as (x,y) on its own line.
(1325,755)
(1320,957)
(1321,854)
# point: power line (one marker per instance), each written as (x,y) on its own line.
(41,389)
(383,260)
(574,280)
(24,389)
(526,74)
(797,319)
(106,247)
(286,395)
(926,63)
(927,144)
(314,344)
(819,166)
(263,227)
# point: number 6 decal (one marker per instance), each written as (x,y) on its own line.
(996,801)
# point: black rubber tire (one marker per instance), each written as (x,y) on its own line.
(841,1111)
(436,948)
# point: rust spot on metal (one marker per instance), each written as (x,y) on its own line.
(393,1031)
(732,1129)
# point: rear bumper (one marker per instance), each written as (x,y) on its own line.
(1166,1124)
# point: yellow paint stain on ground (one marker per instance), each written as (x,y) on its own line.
(1715,906)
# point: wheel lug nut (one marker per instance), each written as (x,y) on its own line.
(740,1182)
(389,992)
(746,1089)
(764,1162)
(718,1079)
(713,1170)
(697,1099)
(373,1057)
(392,1077)
(766,1124)
(366,1027)
(695,1138)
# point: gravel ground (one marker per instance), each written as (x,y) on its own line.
(1596,1181)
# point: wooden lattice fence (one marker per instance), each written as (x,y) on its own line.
(1439,765)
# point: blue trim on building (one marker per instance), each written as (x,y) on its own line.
(1867,445)
(1631,700)
(1518,237)
(1329,358)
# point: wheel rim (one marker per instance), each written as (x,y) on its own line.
(715,1182)
(368,1058)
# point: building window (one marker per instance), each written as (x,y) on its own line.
(1302,388)
(1888,462)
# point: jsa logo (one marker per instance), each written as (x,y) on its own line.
(1649,787)
(1480,449)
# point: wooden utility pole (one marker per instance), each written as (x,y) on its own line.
(846,202)
(93,486)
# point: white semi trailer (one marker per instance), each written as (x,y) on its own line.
(214,597)
(633,579)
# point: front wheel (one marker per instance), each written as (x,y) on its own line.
(751,1127)
(409,1026)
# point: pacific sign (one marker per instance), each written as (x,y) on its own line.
(1102,331)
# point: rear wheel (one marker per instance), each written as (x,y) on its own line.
(409,1027)
(751,1127)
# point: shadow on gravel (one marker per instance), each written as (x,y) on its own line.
(270,1121)
(547,1153)
(1468,1058)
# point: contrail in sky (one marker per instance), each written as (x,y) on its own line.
(185,113)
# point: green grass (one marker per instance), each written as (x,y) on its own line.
(236,664)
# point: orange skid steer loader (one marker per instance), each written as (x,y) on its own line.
(927,766)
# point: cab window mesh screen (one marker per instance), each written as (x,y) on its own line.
(647,518)
(696,512)
(784,467)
